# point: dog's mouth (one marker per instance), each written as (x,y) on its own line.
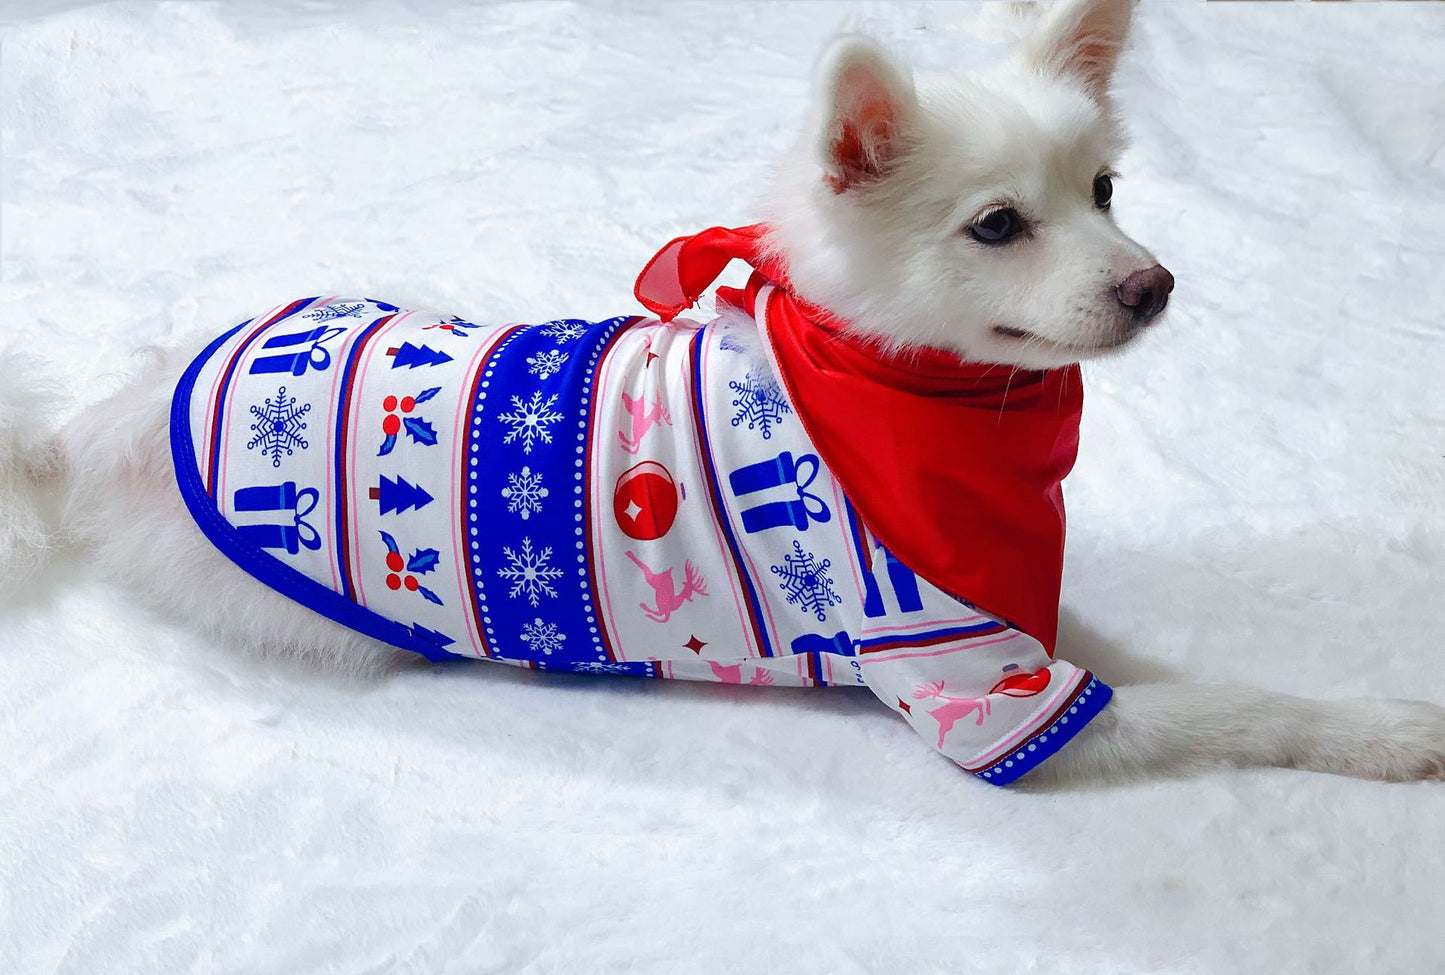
(1035,340)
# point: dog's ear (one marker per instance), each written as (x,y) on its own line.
(1081,39)
(867,108)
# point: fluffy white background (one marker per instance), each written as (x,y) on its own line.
(1259,499)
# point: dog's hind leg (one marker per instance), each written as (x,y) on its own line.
(123,506)
(1176,729)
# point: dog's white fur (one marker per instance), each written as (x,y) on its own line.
(869,213)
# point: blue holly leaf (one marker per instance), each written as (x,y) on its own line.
(387,445)
(427,394)
(390,543)
(429,595)
(420,430)
(423,560)
(384,306)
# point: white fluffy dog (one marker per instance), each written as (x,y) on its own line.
(973,219)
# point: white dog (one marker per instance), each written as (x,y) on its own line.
(939,234)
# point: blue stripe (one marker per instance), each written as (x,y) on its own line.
(531,576)
(1032,753)
(919,638)
(262,566)
(346,493)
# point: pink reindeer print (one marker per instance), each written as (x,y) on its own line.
(733,674)
(953,708)
(668,597)
(640,420)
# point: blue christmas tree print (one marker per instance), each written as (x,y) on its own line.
(531,421)
(411,356)
(278,426)
(806,583)
(328,313)
(760,404)
(399,495)
(434,637)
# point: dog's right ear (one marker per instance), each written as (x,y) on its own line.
(867,107)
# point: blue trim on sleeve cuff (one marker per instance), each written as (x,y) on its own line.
(1032,753)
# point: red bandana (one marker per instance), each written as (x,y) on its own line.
(955,466)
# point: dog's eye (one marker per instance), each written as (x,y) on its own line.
(997,226)
(1103,191)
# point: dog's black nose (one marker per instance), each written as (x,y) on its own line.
(1145,293)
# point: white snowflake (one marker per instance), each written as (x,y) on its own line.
(806,582)
(760,404)
(600,667)
(531,421)
(327,313)
(565,331)
(545,365)
(278,427)
(531,573)
(542,636)
(524,493)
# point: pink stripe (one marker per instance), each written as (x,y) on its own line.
(949,648)
(926,625)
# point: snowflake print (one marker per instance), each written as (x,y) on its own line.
(731,343)
(565,331)
(600,667)
(760,404)
(524,493)
(542,636)
(328,313)
(545,365)
(531,573)
(531,421)
(806,582)
(278,427)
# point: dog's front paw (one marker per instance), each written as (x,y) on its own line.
(1394,741)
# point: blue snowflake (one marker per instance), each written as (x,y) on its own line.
(328,313)
(542,636)
(731,343)
(278,427)
(806,582)
(531,421)
(760,404)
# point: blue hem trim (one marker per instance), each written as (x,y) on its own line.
(1034,752)
(255,561)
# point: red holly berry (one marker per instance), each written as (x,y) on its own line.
(407,403)
(393,581)
(411,583)
(389,403)
(391,424)
(394,562)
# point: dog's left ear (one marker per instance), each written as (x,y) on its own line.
(867,107)
(1081,39)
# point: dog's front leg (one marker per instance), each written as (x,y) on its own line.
(1164,729)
